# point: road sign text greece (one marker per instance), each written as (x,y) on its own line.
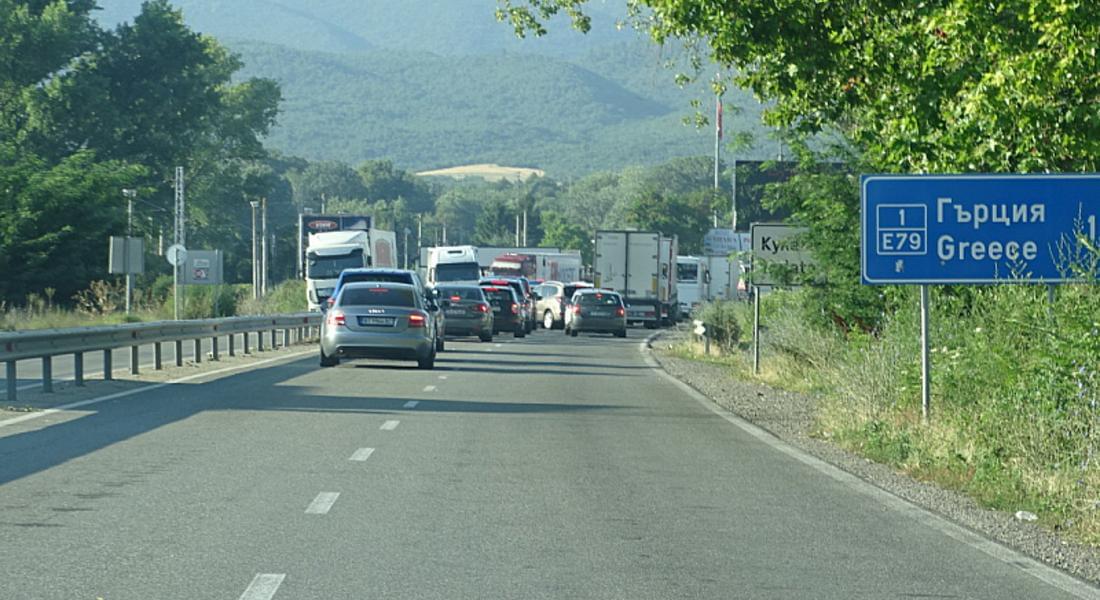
(777,258)
(967,229)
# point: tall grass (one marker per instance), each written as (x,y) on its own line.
(1015,393)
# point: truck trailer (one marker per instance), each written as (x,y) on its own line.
(640,265)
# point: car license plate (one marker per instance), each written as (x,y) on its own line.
(377,321)
(455,312)
(497,309)
(600,313)
(637,313)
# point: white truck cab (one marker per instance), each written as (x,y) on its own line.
(692,282)
(453,264)
(331,252)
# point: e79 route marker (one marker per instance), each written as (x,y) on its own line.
(975,229)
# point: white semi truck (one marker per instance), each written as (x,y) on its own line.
(640,265)
(452,264)
(330,252)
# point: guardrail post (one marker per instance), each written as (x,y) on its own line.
(214,348)
(12,382)
(179,353)
(158,356)
(198,350)
(47,374)
(274,339)
(232,344)
(259,341)
(244,342)
(135,360)
(286,337)
(78,369)
(107,368)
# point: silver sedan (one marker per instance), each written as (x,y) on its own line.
(378,320)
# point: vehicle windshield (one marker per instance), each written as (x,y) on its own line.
(457,272)
(599,300)
(329,267)
(377,296)
(687,272)
(570,290)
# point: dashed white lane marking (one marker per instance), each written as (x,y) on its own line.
(442,376)
(498,345)
(389,425)
(149,388)
(429,388)
(362,454)
(263,586)
(322,503)
(1040,571)
(412,403)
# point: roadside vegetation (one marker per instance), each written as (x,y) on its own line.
(1015,419)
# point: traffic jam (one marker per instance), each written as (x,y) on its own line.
(374,310)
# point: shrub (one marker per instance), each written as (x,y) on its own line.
(722,320)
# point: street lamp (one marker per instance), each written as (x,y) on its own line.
(255,290)
(130,194)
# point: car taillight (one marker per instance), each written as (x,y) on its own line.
(417,320)
(576,309)
(482,308)
(337,319)
(515,308)
(621,312)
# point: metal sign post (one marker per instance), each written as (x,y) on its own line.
(755,330)
(973,229)
(180,239)
(773,244)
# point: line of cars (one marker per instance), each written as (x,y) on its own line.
(390,313)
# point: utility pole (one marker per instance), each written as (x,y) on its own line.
(129,193)
(263,248)
(517,229)
(717,136)
(525,228)
(180,237)
(405,264)
(255,289)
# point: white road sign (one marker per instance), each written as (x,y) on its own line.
(775,244)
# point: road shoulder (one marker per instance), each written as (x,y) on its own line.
(789,417)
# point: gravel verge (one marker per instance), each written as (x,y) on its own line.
(789,416)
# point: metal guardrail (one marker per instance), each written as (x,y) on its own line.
(48,343)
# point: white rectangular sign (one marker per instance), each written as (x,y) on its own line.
(775,244)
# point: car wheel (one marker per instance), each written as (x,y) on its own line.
(548,320)
(620,333)
(427,362)
(485,337)
(573,332)
(520,331)
(328,361)
(440,344)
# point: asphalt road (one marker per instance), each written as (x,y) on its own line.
(549,467)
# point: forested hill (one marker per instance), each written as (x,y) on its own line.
(438,83)
(425,111)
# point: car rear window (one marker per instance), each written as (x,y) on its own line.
(383,277)
(499,296)
(459,294)
(599,300)
(377,296)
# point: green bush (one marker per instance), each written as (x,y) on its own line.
(287,297)
(723,322)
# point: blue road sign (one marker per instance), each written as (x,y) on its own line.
(923,229)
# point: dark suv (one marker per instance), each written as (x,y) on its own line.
(523,293)
(507,309)
(379,274)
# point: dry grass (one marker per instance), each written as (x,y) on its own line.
(488,172)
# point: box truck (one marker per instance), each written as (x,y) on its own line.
(640,265)
(330,252)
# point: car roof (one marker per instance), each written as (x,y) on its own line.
(371,270)
(592,290)
(355,285)
(457,286)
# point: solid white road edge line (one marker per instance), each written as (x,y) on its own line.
(148,388)
(1043,572)
(413,403)
(389,425)
(263,586)
(362,454)
(322,503)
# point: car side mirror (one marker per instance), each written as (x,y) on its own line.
(433,307)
